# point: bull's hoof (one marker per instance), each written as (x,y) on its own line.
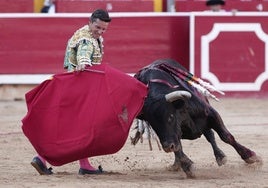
(174,167)
(191,172)
(254,159)
(221,161)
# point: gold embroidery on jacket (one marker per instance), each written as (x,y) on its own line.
(83,48)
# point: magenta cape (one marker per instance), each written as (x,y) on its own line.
(82,114)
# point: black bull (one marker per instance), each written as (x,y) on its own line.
(184,118)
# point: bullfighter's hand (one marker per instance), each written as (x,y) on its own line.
(80,67)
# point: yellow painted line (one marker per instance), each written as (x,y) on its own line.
(158,6)
(38,4)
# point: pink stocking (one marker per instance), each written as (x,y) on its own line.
(85,164)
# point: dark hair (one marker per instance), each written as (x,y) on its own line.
(101,14)
(215,2)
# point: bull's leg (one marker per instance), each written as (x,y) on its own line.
(218,153)
(176,165)
(246,154)
(185,163)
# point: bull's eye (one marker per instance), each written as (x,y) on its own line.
(171,117)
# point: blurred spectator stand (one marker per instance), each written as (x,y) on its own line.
(85,6)
(240,5)
(16,6)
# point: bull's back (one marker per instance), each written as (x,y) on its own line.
(151,71)
(197,111)
(170,62)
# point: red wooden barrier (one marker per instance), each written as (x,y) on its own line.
(36,45)
(228,51)
(231,52)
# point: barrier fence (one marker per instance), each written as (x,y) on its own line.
(228,50)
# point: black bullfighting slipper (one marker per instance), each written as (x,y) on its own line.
(40,167)
(85,171)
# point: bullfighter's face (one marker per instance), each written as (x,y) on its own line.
(98,27)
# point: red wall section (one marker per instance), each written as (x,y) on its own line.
(86,6)
(228,51)
(231,53)
(190,5)
(37,45)
(34,45)
(134,42)
(16,6)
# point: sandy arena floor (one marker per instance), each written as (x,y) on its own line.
(137,166)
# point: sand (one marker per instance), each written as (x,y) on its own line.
(137,166)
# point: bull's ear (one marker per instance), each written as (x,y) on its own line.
(178,103)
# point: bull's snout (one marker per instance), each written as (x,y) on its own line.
(172,147)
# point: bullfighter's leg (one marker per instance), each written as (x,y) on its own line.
(39,163)
(87,168)
(246,154)
(218,153)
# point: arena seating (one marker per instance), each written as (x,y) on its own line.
(240,5)
(85,6)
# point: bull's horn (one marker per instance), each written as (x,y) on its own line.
(173,96)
